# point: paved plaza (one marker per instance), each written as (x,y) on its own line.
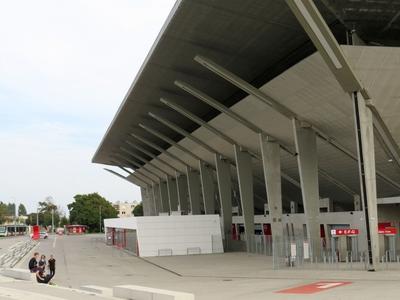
(86,260)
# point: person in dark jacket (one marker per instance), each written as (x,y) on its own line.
(41,277)
(42,262)
(52,265)
(33,264)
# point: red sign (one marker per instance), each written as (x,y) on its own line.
(315,287)
(388,230)
(345,231)
(35,232)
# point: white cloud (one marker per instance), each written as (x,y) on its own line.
(65,67)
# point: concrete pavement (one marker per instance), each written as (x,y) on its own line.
(84,260)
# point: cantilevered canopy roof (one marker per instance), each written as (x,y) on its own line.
(261,42)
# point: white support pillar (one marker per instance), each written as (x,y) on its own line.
(224,179)
(306,146)
(193,179)
(182,186)
(164,197)
(245,178)
(145,202)
(172,193)
(270,152)
(152,201)
(366,163)
(157,199)
(207,185)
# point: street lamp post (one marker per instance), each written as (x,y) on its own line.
(100,218)
(52,220)
(15,216)
(37,216)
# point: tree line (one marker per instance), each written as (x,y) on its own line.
(86,209)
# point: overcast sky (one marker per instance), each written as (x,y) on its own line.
(65,66)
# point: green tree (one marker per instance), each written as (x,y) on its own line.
(64,221)
(21,210)
(11,209)
(88,209)
(3,212)
(46,209)
(138,210)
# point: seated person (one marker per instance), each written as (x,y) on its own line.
(41,277)
(42,262)
(33,265)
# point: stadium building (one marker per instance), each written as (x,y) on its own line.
(280,116)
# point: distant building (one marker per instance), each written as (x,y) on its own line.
(125,208)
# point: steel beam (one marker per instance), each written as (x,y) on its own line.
(152,155)
(135,175)
(183,132)
(123,177)
(137,165)
(159,149)
(220,134)
(266,99)
(137,172)
(197,120)
(243,85)
(315,26)
(384,134)
(229,112)
(145,161)
(169,141)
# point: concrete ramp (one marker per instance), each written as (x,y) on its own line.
(21,274)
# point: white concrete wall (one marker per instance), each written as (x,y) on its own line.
(179,233)
(175,233)
(123,223)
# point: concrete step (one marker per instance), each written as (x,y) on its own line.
(145,293)
(97,290)
(21,290)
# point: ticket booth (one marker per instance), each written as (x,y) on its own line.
(344,243)
(387,242)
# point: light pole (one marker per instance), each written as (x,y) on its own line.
(52,220)
(15,216)
(37,216)
(100,218)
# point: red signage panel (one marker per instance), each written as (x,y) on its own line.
(388,230)
(345,231)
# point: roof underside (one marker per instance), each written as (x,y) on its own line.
(262,42)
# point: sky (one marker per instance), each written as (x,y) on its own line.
(65,67)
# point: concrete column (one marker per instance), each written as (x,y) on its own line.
(245,178)
(182,186)
(306,147)
(172,193)
(164,197)
(366,163)
(152,201)
(193,179)
(223,169)
(207,185)
(145,202)
(270,152)
(157,199)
